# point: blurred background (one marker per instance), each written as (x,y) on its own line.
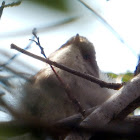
(112,26)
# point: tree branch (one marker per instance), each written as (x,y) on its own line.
(115,106)
(91,78)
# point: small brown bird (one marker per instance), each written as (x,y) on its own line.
(46,98)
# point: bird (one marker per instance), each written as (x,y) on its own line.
(46,98)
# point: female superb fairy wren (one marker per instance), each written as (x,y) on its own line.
(46,98)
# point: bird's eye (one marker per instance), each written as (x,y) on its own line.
(86,57)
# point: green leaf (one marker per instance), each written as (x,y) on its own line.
(60,5)
(127,77)
(112,75)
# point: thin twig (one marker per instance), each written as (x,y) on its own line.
(2,66)
(1,8)
(13,4)
(115,86)
(66,88)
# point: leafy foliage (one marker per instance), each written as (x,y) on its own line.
(127,77)
(124,77)
(112,75)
